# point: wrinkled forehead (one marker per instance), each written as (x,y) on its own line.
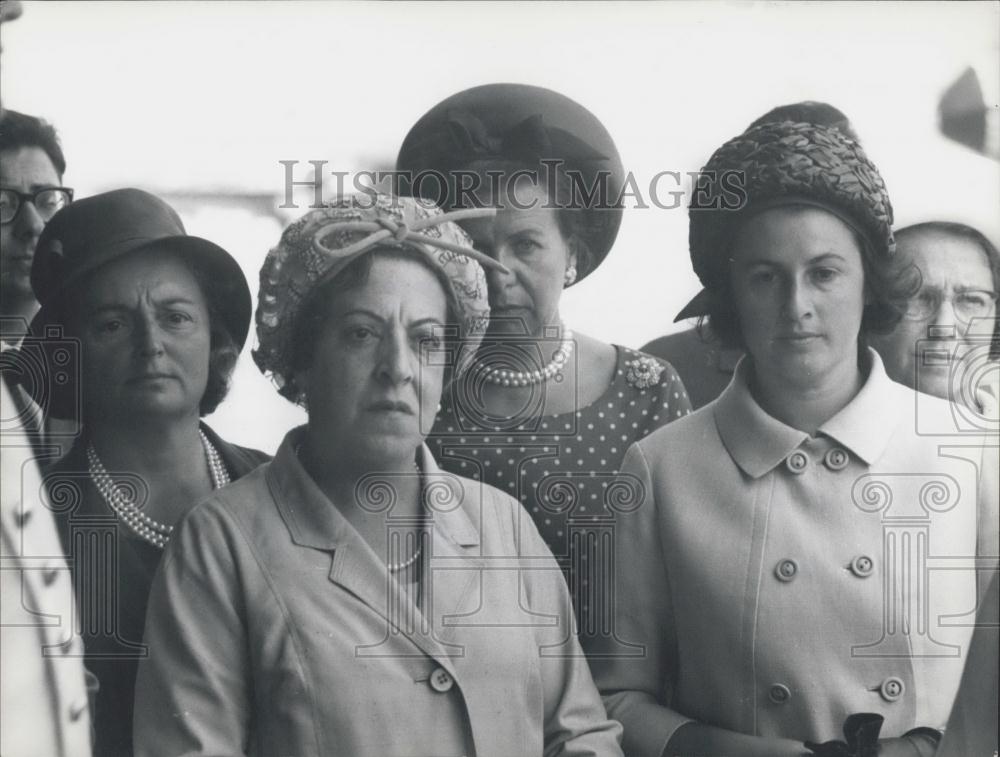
(945,258)
(27,167)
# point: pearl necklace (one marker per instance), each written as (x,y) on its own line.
(151,530)
(504,377)
(395,567)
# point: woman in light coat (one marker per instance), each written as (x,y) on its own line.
(350,598)
(799,561)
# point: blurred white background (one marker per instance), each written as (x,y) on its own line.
(198,101)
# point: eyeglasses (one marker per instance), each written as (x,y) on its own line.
(967,304)
(47,202)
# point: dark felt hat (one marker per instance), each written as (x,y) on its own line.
(92,232)
(526,125)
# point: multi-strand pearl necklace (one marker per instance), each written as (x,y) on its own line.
(504,377)
(124,506)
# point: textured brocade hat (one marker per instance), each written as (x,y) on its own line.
(522,124)
(318,246)
(773,165)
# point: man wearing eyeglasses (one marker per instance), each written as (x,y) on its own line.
(947,343)
(31,192)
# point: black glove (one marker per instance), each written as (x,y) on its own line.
(861,733)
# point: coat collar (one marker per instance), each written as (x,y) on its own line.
(758,442)
(315,522)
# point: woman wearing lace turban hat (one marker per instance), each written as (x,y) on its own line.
(329,583)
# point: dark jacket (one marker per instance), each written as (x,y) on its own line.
(112,573)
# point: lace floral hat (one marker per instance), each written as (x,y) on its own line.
(318,246)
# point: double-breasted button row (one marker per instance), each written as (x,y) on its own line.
(836,459)
(797,462)
(779,693)
(862,566)
(441,680)
(786,570)
(892,688)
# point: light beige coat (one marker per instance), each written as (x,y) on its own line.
(775,580)
(273,629)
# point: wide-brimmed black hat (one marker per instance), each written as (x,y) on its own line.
(90,233)
(526,125)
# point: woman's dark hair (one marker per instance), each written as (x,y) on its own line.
(223,350)
(968,233)
(18,130)
(316,309)
(889,283)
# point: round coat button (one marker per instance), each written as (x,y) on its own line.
(441,680)
(862,566)
(836,459)
(796,462)
(892,688)
(779,693)
(785,570)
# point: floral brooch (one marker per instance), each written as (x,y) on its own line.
(643,372)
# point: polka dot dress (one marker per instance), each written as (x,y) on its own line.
(562,468)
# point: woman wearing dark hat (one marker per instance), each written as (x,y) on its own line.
(349,598)
(159,317)
(546,413)
(777,570)
(704,365)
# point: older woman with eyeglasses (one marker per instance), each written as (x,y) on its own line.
(948,341)
(350,598)
(779,571)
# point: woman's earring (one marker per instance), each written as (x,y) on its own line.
(570,276)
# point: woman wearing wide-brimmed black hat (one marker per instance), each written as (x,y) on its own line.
(159,317)
(547,413)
